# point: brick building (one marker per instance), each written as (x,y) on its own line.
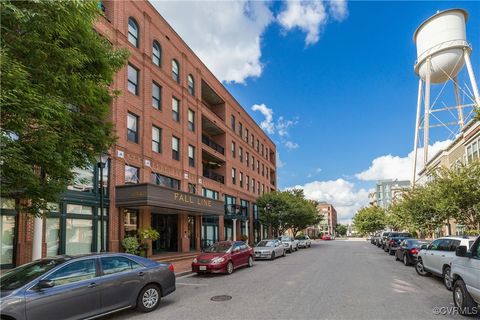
(188,161)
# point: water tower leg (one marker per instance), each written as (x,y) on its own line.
(426,118)
(459,104)
(417,129)
(472,78)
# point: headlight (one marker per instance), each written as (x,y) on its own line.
(218,260)
(195,260)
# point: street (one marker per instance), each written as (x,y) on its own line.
(337,279)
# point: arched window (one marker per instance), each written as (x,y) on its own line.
(156,53)
(191,85)
(133,32)
(175,70)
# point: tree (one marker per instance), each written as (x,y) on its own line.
(341,229)
(55,96)
(369,219)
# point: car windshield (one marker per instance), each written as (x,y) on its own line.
(218,247)
(20,276)
(405,235)
(265,243)
(285,238)
(301,238)
(417,243)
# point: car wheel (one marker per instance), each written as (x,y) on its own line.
(250,261)
(405,260)
(396,256)
(296,248)
(463,300)
(148,298)
(284,253)
(419,267)
(272,256)
(447,280)
(290,250)
(229,267)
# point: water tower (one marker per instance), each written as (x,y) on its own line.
(442,52)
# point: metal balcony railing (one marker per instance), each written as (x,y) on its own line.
(213,176)
(212,144)
(235,211)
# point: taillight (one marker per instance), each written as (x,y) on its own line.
(171,268)
(392,241)
(413,251)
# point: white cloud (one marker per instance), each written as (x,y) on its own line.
(338,9)
(283,125)
(291,145)
(226,35)
(318,170)
(279,162)
(395,167)
(266,124)
(308,16)
(340,193)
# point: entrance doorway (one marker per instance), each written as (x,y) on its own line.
(167,227)
(192,233)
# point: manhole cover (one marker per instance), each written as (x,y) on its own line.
(223,297)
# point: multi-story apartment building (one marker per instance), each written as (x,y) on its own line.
(189,161)
(388,190)
(329,223)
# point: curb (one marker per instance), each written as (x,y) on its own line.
(184,273)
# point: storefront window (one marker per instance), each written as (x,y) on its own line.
(8,203)
(130,222)
(8,232)
(79,236)
(83,180)
(209,231)
(52,236)
(78,209)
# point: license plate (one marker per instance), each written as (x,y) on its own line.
(202,268)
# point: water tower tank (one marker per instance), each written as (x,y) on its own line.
(441,37)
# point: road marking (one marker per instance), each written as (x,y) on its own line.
(186,276)
(193,284)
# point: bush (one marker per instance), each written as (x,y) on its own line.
(148,233)
(131,245)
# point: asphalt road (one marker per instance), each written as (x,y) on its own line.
(332,280)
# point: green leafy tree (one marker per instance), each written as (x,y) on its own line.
(55,96)
(341,229)
(369,219)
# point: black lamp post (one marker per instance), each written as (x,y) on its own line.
(102,162)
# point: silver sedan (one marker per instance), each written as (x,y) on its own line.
(269,249)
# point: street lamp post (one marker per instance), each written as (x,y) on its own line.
(102,161)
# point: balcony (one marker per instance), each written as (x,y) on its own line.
(212,144)
(235,211)
(210,174)
(212,101)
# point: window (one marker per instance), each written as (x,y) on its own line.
(253,185)
(258,166)
(233,149)
(78,236)
(132,127)
(133,32)
(262,150)
(192,188)
(241,179)
(211,194)
(266,153)
(253,163)
(232,122)
(156,54)
(247,159)
(74,272)
(175,109)
(111,265)
(130,222)
(132,79)
(258,187)
(191,120)
(246,135)
(175,71)
(234,176)
(263,189)
(191,156)
(191,85)
(156,139)
(258,145)
(156,96)
(240,129)
(251,140)
(240,154)
(165,181)
(131,174)
(263,170)
(247,183)
(175,148)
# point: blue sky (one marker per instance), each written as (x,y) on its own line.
(338,78)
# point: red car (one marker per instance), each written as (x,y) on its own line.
(223,257)
(326,237)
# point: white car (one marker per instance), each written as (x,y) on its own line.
(438,255)
(289,243)
(465,275)
(304,242)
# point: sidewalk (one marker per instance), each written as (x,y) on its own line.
(182,262)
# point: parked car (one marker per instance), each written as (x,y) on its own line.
(289,243)
(84,286)
(408,249)
(394,240)
(374,238)
(382,239)
(437,256)
(326,237)
(223,257)
(269,249)
(465,274)
(304,242)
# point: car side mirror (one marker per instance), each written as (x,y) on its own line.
(424,247)
(461,251)
(45,284)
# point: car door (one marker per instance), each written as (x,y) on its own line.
(278,248)
(245,253)
(236,255)
(439,256)
(120,281)
(75,294)
(428,257)
(472,271)
(401,249)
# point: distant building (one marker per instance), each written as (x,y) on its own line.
(329,223)
(388,190)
